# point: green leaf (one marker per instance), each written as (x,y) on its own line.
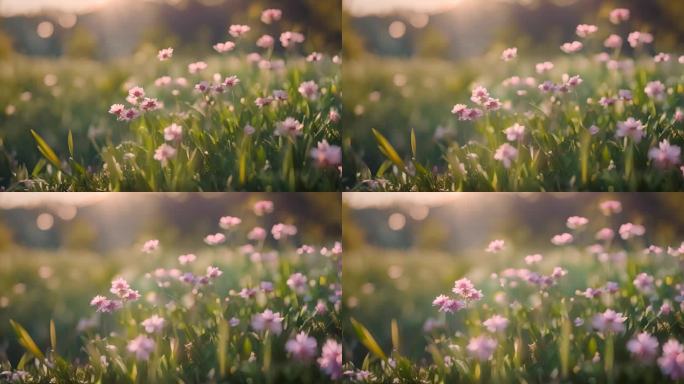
(395,335)
(367,339)
(26,341)
(413,142)
(388,149)
(53,335)
(70,143)
(45,150)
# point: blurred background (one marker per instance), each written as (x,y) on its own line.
(64,62)
(408,62)
(58,250)
(404,249)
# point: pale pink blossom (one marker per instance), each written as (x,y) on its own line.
(257,234)
(496,323)
(447,304)
(163,81)
(302,347)
(263,101)
(629,230)
(465,288)
(215,239)
(142,347)
(544,67)
(330,361)
(609,321)
(631,128)
(298,283)
(187,259)
(309,89)
(150,246)
(495,246)
(643,347)
(326,155)
(481,348)
(117,109)
(165,54)
(153,324)
(314,57)
(637,39)
(197,67)
(653,250)
(625,95)
(237,30)
(173,132)
(613,41)
(479,95)
(506,153)
(665,155)
(655,90)
(585,30)
(610,207)
(224,47)
(263,207)
(562,239)
(164,153)
(265,41)
(229,222)
(662,58)
(509,54)
(533,259)
(290,127)
(136,93)
(283,231)
(213,272)
(671,362)
(576,222)
(268,16)
(605,234)
(619,15)
(231,81)
(572,47)
(288,39)
(268,321)
(644,283)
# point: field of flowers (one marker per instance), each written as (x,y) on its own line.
(602,113)
(237,310)
(599,303)
(259,114)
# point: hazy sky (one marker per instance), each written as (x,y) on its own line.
(9,7)
(362,7)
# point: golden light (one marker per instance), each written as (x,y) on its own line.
(45,221)
(396,221)
(397,29)
(45,29)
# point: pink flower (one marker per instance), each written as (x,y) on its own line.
(142,347)
(117,109)
(237,30)
(605,234)
(326,155)
(576,222)
(153,324)
(263,101)
(653,250)
(331,359)
(257,233)
(662,58)
(309,89)
(619,15)
(465,113)
(314,57)
(465,288)
(610,207)
(533,259)
(629,230)
(562,239)
(164,153)
(479,95)
(298,283)
(515,132)
(613,41)
(644,283)
(119,286)
(165,54)
(666,155)
(173,132)
(495,246)
(224,47)
(509,54)
(637,39)
(268,321)
(263,207)
(302,347)
(544,67)
(585,30)
(288,39)
(593,130)
(631,128)
(268,16)
(283,231)
(215,239)
(290,127)
(197,67)
(506,153)
(163,81)
(609,321)
(671,362)
(187,259)
(482,348)
(655,90)
(150,246)
(643,347)
(213,272)
(265,41)
(625,95)
(448,305)
(136,92)
(572,47)
(229,222)
(496,323)
(231,81)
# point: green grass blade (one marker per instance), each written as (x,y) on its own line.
(70,143)
(388,149)
(26,340)
(367,339)
(53,335)
(45,150)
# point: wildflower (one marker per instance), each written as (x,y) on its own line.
(279,95)
(609,321)
(282,231)
(117,109)
(465,113)
(314,57)
(509,54)
(224,47)
(619,15)
(644,283)
(257,233)
(662,58)
(288,39)
(572,81)
(610,207)
(585,30)
(163,81)
(263,101)
(150,246)
(326,155)
(202,87)
(665,155)
(186,259)
(237,30)
(265,41)
(496,323)
(302,347)
(142,347)
(590,293)
(558,272)
(593,130)
(229,222)
(576,222)
(197,67)
(544,67)
(234,322)
(290,127)
(637,39)
(268,16)
(107,306)
(631,128)
(629,230)
(331,359)
(266,286)
(613,41)
(671,362)
(309,89)
(655,90)
(247,293)
(173,132)
(231,81)
(465,288)
(215,239)
(562,239)
(268,321)
(263,207)
(506,153)
(533,259)
(164,153)
(481,348)
(492,104)
(547,86)
(605,234)
(495,246)
(572,47)
(165,54)
(130,295)
(153,324)
(611,287)
(479,95)
(213,272)
(297,282)
(136,92)
(249,130)
(447,304)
